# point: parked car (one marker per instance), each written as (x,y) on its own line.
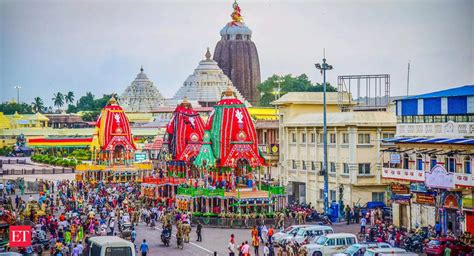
(438,245)
(359,249)
(388,252)
(289,231)
(330,244)
(311,233)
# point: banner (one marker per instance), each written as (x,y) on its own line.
(394,158)
(399,188)
(400,199)
(425,198)
(438,177)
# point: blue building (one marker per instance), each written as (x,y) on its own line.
(432,156)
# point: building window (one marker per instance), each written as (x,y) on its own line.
(346,168)
(419,162)
(364,169)
(388,135)
(467,165)
(321,138)
(433,162)
(451,164)
(332,167)
(406,162)
(332,195)
(303,164)
(293,137)
(303,138)
(345,138)
(313,166)
(332,138)
(293,164)
(378,196)
(321,194)
(313,137)
(264,137)
(364,138)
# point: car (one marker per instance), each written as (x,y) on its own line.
(311,233)
(437,246)
(388,252)
(359,249)
(330,244)
(289,231)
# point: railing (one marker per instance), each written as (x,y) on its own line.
(464,179)
(94,167)
(239,223)
(200,191)
(274,190)
(460,179)
(158,181)
(13,161)
(37,171)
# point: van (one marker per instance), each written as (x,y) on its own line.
(330,244)
(387,252)
(110,246)
(311,233)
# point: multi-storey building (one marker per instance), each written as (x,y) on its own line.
(354,145)
(430,162)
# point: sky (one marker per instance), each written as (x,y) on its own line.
(83,45)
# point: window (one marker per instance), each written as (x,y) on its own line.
(345,138)
(293,164)
(321,194)
(332,166)
(118,251)
(330,242)
(313,137)
(406,162)
(451,164)
(95,250)
(433,162)
(346,168)
(341,241)
(419,162)
(467,165)
(304,164)
(313,166)
(378,196)
(364,138)
(388,135)
(303,138)
(364,169)
(332,138)
(350,241)
(332,195)
(428,119)
(293,137)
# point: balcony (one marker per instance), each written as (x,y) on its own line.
(460,179)
(448,130)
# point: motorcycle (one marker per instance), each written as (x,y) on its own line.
(324,219)
(166,236)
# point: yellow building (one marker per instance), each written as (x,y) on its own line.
(354,145)
(36,120)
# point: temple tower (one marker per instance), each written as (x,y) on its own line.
(236,54)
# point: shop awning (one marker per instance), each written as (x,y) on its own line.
(430,140)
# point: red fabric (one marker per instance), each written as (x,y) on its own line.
(185,131)
(238,137)
(116,130)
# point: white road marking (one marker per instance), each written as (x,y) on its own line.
(198,246)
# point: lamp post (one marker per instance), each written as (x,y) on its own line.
(323,68)
(17,87)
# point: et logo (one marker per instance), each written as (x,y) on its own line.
(20,236)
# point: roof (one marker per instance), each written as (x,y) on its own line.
(467,90)
(64,118)
(266,124)
(262,113)
(109,240)
(358,118)
(332,98)
(4,122)
(338,235)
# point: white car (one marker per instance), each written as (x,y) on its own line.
(359,249)
(330,244)
(289,231)
(311,233)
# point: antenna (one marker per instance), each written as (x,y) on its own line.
(408,79)
(324,53)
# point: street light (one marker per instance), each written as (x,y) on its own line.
(17,87)
(323,68)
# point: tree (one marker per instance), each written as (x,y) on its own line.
(288,83)
(37,105)
(58,100)
(69,97)
(9,108)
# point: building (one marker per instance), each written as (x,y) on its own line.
(237,56)
(59,121)
(206,84)
(36,120)
(141,95)
(354,142)
(266,125)
(430,162)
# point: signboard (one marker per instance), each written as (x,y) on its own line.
(468,203)
(274,148)
(418,187)
(140,157)
(399,199)
(438,177)
(425,198)
(399,189)
(394,158)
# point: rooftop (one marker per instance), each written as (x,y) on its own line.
(467,90)
(332,98)
(358,118)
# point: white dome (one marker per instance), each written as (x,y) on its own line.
(232,30)
(141,95)
(206,84)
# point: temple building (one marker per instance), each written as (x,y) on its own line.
(206,84)
(236,54)
(141,95)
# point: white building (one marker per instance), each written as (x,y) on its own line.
(141,96)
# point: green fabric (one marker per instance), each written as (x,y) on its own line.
(215,133)
(205,153)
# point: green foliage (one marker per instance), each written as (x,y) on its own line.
(90,105)
(69,97)
(80,154)
(289,83)
(52,160)
(5,150)
(91,116)
(9,108)
(37,105)
(58,100)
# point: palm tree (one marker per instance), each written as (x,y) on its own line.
(69,97)
(37,104)
(58,100)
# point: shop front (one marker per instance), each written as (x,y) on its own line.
(401,210)
(468,213)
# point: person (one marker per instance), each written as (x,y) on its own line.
(111,225)
(76,251)
(255,244)
(363,222)
(270,234)
(198,232)
(447,250)
(144,248)
(133,235)
(266,250)
(438,229)
(348,214)
(245,250)
(231,246)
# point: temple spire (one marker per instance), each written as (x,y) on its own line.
(141,69)
(208,54)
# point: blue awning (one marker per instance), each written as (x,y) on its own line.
(430,140)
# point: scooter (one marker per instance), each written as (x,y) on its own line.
(166,236)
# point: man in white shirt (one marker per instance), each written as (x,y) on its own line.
(231,248)
(266,250)
(245,250)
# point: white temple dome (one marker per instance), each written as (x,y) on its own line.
(206,84)
(141,95)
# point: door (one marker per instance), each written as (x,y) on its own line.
(330,247)
(452,223)
(403,215)
(470,222)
